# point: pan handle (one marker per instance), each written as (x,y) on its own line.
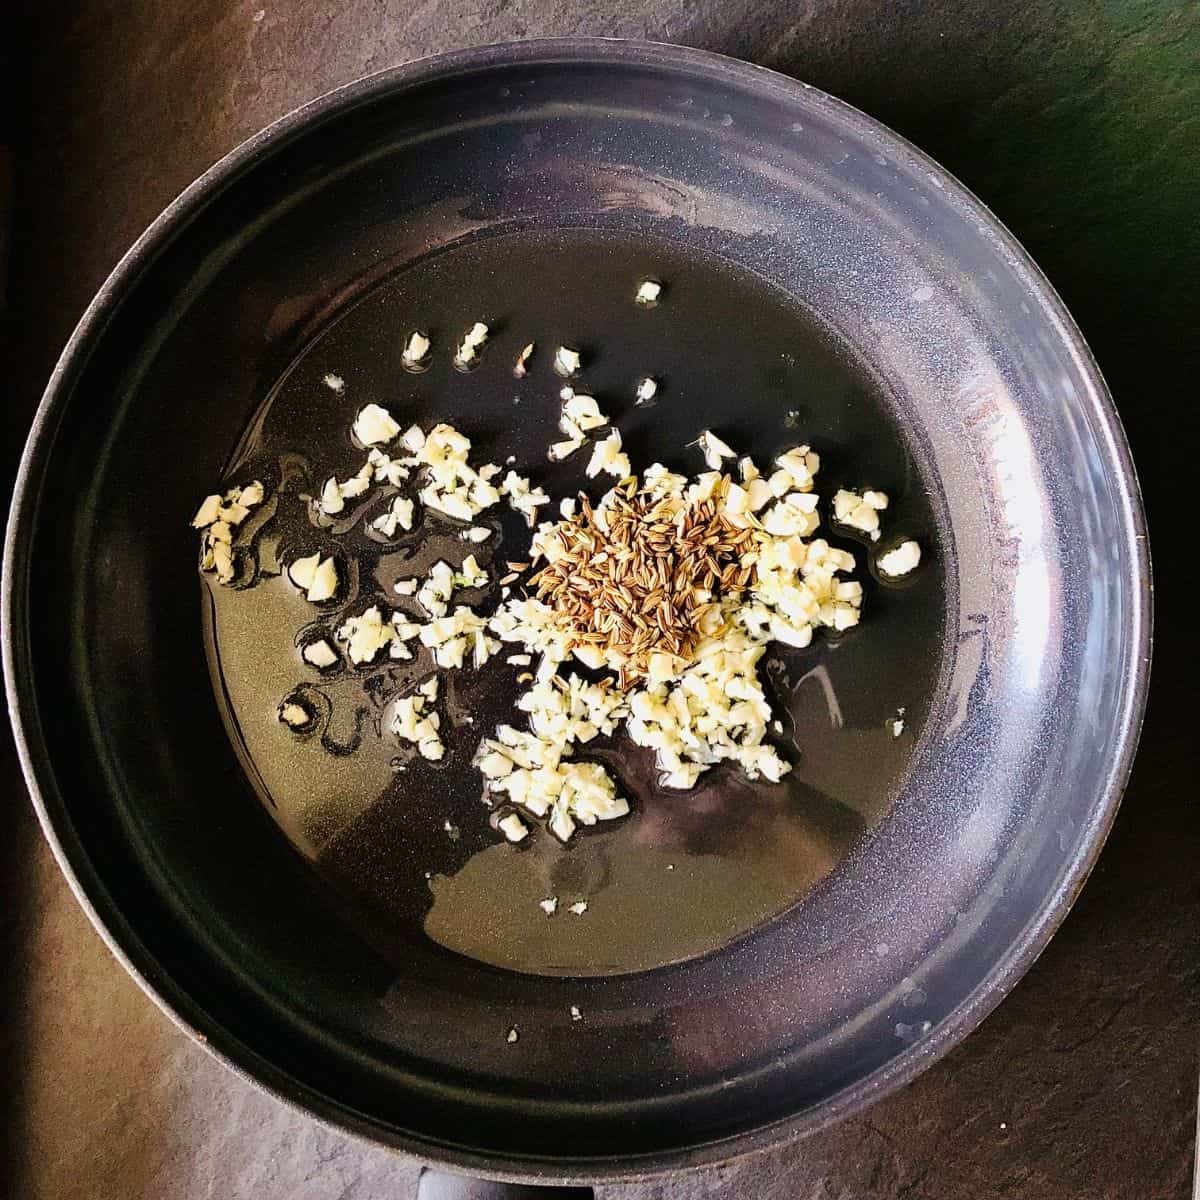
(437,1185)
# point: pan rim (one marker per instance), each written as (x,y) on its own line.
(122,940)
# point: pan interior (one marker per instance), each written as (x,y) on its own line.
(822,942)
(406,842)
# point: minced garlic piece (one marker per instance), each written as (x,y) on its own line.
(549,906)
(295,715)
(452,636)
(521,367)
(366,635)
(335,383)
(375,426)
(454,487)
(334,494)
(567,361)
(477,534)
(320,655)
(564,449)
(714,450)
(416,349)
(207,513)
(801,465)
(385,469)
(413,722)
(794,515)
(317,577)
(515,830)
(860,512)
(522,497)
(648,292)
(324,584)
(472,343)
(405,587)
(647,389)
(436,590)
(399,514)
(582,412)
(609,457)
(899,560)
(578,908)
(470,574)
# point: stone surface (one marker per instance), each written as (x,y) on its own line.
(1078,125)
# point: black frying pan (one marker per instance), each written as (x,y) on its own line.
(754,964)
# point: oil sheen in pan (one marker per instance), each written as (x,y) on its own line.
(409,851)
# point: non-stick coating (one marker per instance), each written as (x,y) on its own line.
(1010,790)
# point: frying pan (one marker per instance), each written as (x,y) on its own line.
(754,964)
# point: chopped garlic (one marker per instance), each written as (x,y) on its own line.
(334,494)
(899,560)
(207,513)
(317,577)
(384,469)
(567,361)
(860,512)
(897,727)
(582,412)
(608,456)
(647,389)
(399,514)
(217,518)
(412,722)
(521,497)
(519,660)
(521,367)
(795,515)
(435,592)
(648,292)
(416,349)
(366,635)
(564,449)
(472,343)
(470,574)
(578,908)
(452,635)
(693,711)
(335,383)
(477,534)
(512,1035)
(454,487)
(576,1015)
(758,494)
(375,426)
(801,465)
(319,654)
(549,906)
(405,587)
(714,450)
(515,830)
(295,715)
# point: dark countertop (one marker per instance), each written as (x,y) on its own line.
(1079,124)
